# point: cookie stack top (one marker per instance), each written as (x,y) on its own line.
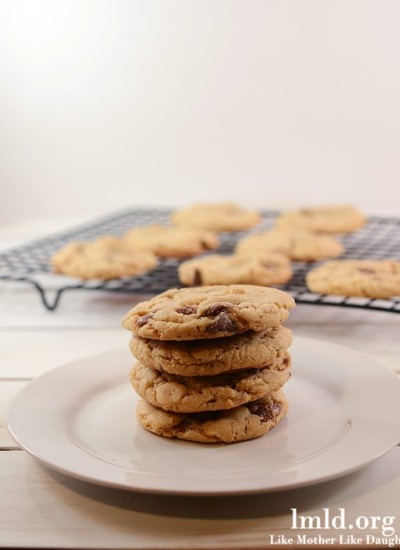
(208,312)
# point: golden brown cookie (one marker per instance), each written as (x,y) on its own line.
(193,394)
(211,357)
(370,278)
(104,258)
(324,219)
(217,269)
(208,312)
(229,426)
(172,241)
(217,217)
(295,244)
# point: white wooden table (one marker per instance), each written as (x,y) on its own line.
(41,508)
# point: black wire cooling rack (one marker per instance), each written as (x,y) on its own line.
(378,239)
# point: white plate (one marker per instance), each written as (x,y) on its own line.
(80,419)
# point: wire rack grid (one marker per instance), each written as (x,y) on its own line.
(378,239)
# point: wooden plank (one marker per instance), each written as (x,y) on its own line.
(43,508)
(23,309)
(8,389)
(28,353)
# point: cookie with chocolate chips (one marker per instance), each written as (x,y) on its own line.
(192,394)
(208,312)
(216,217)
(299,245)
(249,350)
(216,269)
(370,278)
(228,426)
(324,219)
(172,242)
(104,258)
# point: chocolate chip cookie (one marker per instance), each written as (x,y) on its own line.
(324,219)
(217,269)
(211,357)
(104,258)
(370,278)
(217,217)
(208,312)
(172,242)
(192,394)
(295,244)
(228,426)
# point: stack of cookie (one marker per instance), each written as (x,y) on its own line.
(212,361)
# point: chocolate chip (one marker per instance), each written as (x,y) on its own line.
(200,417)
(307,211)
(223,323)
(187,310)
(197,279)
(143,320)
(215,310)
(205,245)
(270,265)
(265,412)
(182,427)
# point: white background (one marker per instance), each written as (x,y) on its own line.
(114,103)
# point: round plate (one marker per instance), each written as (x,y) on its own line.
(344,411)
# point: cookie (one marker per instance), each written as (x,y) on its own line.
(172,242)
(192,394)
(217,217)
(217,269)
(324,219)
(211,357)
(208,312)
(104,258)
(295,244)
(370,278)
(229,426)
